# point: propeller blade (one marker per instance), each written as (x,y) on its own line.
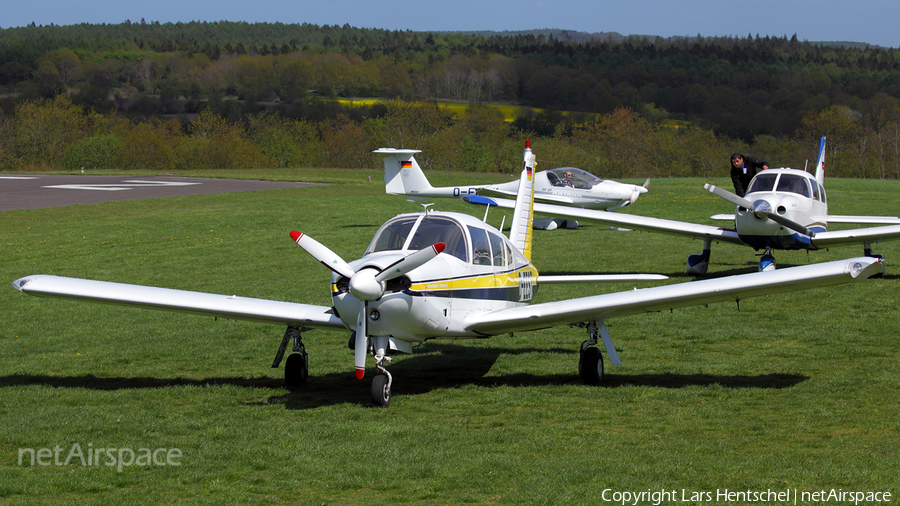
(789,223)
(730,197)
(359,351)
(409,262)
(321,253)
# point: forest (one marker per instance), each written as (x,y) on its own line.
(171,96)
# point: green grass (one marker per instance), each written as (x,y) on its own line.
(796,390)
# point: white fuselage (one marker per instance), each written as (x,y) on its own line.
(582,190)
(793,194)
(478,271)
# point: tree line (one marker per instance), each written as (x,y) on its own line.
(686,102)
(59,134)
(738,87)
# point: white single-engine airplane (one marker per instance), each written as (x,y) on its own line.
(566,186)
(783,209)
(435,275)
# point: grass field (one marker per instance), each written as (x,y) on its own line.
(796,391)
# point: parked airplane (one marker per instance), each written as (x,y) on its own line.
(566,186)
(783,209)
(436,275)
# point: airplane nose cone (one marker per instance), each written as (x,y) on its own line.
(761,206)
(363,285)
(641,190)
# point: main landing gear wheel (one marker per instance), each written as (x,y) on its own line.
(296,370)
(381,391)
(590,366)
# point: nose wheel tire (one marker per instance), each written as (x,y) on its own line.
(590,366)
(381,391)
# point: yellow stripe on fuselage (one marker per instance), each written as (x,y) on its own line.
(501,280)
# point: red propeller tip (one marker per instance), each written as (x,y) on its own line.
(360,372)
(296,235)
(439,247)
(528,144)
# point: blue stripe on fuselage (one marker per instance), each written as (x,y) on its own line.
(787,242)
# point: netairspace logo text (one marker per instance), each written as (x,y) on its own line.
(90,456)
(787,496)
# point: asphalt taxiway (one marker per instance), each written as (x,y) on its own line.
(26,191)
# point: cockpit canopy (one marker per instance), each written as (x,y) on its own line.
(572,177)
(796,182)
(472,242)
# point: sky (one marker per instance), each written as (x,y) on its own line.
(870,21)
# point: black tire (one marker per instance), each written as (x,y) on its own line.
(296,370)
(381,393)
(590,366)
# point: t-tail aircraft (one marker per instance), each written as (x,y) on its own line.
(565,186)
(446,275)
(784,209)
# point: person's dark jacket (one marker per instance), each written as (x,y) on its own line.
(741,176)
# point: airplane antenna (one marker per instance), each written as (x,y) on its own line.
(502,222)
(486,209)
(426,206)
(805,165)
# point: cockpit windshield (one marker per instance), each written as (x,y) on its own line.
(792,183)
(763,183)
(573,178)
(395,235)
(392,235)
(788,183)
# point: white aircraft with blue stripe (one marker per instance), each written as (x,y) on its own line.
(566,186)
(437,275)
(784,209)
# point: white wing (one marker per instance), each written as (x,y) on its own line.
(867,220)
(855,236)
(672,227)
(660,298)
(206,304)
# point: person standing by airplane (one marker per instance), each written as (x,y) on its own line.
(743,168)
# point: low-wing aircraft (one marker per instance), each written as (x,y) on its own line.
(784,209)
(566,186)
(434,275)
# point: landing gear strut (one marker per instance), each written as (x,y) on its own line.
(767,262)
(296,368)
(381,384)
(699,263)
(867,250)
(590,363)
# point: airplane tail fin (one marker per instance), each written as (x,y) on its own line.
(820,163)
(521,228)
(402,174)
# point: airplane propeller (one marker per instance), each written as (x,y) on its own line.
(366,285)
(637,191)
(760,208)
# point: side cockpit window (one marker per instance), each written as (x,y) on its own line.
(499,255)
(481,248)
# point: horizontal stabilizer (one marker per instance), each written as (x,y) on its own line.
(601,278)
